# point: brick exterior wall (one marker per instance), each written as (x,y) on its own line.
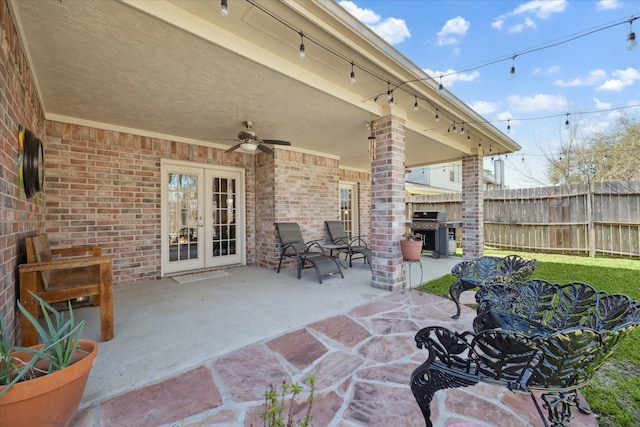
(19,217)
(472,207)
(104,188)
(306,192)
(387,203)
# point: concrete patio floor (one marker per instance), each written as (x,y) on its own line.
(203,353)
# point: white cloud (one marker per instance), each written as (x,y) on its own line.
(450,76)
(554,69)
(484,107)
(453,30)
(518,28)
(392,30)
(366,16)
(608,4)
(541,9)
(594,78)
(538,102)
(623,78)
(601,105)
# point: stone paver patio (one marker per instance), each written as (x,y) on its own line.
(362,361)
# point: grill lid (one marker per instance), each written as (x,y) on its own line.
(432,216)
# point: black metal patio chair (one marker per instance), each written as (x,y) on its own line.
(528,336)
(294,246)
(356,246)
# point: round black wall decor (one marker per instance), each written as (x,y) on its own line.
(32,164)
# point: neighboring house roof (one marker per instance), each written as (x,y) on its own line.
(179,70)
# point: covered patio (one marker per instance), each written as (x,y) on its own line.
(204,351)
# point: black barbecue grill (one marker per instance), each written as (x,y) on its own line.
(435,230)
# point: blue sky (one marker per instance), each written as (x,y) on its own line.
(593,78)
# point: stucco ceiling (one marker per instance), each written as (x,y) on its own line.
(179,70)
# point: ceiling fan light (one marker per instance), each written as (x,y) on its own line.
(248,147)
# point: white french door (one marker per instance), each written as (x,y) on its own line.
(203,222)
(349,207)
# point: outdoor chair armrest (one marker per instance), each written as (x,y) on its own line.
(65,264)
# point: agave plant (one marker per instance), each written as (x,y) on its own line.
(60,340)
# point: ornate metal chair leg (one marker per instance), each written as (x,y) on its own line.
(454,292)
(559,405)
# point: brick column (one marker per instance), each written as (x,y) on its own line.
(387,203)
(472,207)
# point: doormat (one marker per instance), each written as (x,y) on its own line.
(187,278)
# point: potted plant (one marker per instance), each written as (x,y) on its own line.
(411,246)
(43,384)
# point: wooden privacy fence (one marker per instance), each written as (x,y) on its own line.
(587,219)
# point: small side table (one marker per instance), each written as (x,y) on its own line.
(332,247)
(407,263)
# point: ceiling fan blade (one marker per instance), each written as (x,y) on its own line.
(275,142)
(234,148)
(265,149)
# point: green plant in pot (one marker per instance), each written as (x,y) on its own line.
(43,385)
(411,246)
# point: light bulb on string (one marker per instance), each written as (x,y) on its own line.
(302,53)
(513,65)
(437,118)
(631,37)
(224,8)
(566,122)
(440,87)
(353,74)
(415,104)
(508,125)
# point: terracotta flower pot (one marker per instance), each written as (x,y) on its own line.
(411,249)
(52,399)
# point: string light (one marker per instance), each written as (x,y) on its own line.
(508,125)
(301,54)
(353,74)
(415,104)
(462,128)
(224,9)
(513,65)
(631,37)
(566,122)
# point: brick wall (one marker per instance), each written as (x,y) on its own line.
(19,217)
(305,191)
(472,207)
(104,187)
(387,203)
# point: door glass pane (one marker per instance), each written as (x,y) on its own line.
(346,216)
(224,224)
(183,216)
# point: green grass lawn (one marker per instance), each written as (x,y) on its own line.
(614,394)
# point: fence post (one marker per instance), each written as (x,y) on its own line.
(590,227)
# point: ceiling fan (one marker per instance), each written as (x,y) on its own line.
(249,142)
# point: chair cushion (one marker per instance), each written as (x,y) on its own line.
(43,254)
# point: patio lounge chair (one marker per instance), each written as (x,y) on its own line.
(294,246)
(356,246)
